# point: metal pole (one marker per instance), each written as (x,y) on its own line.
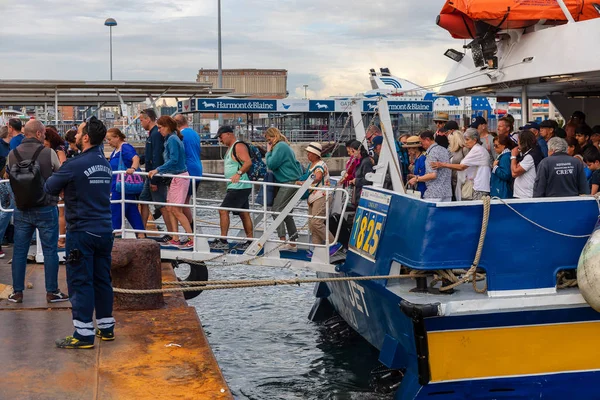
(220,61)
(524,104)
(111,76)
(56,106)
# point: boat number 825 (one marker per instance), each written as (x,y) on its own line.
(366,232)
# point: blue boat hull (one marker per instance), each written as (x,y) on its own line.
(375,313)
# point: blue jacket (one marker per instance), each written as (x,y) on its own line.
(543,146)
(192,146)
(420,170)
(153,154)
(174,156)
(501,183)
(86,180)
(4,150)
(16,141)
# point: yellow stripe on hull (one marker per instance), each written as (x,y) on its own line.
(523,350)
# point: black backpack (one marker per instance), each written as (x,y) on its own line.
(27,182)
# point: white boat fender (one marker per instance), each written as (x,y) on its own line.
(588,271)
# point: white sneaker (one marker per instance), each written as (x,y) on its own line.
(289,247)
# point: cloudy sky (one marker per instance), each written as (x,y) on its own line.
(329,45)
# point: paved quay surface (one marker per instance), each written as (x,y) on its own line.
(143,362)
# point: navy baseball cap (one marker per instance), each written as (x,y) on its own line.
(224,129)
(530,125)
(377,140)
(478,121)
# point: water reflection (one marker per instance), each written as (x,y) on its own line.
(264,343)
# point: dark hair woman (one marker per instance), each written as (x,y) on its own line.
(524,160)
(72,149)
(174,165)
(56,143)
(501,180)
(573,149)
(364,167)
(352,147)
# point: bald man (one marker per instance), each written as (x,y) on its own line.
(192,146)
(34,210)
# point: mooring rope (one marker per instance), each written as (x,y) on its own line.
(217,285)
(472,274)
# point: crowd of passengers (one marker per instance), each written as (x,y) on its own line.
(453,164)
(538,160)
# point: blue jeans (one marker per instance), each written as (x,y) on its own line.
(45,219)
(89,281)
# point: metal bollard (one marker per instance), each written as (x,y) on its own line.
(136,265)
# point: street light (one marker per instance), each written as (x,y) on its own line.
(220,56)
(110,22)
(305,87)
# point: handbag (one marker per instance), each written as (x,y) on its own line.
(411,191)
(133,183)
(467,188)
(271,190)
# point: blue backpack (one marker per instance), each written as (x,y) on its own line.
(258,170)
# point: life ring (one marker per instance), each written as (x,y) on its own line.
(198,272)
(588,271)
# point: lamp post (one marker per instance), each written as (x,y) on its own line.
(110,22)
(305,87)
(220,56)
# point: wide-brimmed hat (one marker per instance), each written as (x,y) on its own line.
(314,148)
(441,116)
(413,141)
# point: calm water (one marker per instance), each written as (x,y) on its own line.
(265,345)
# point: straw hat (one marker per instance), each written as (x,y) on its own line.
(413,141)
(441,116)
(315,148)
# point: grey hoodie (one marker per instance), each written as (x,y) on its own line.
(560,175)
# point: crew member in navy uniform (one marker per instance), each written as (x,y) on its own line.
(86,180)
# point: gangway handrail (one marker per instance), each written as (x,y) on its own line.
(194,206)
(263,226)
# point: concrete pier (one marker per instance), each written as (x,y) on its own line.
(157,354)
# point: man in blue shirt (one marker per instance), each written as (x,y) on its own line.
(155,189)
(86,181)
(14,131)
(191,143)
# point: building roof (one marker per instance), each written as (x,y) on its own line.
(88,93)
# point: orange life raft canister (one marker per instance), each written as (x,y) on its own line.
(459,16)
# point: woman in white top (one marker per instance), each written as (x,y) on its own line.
(476,167)
(523,162)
